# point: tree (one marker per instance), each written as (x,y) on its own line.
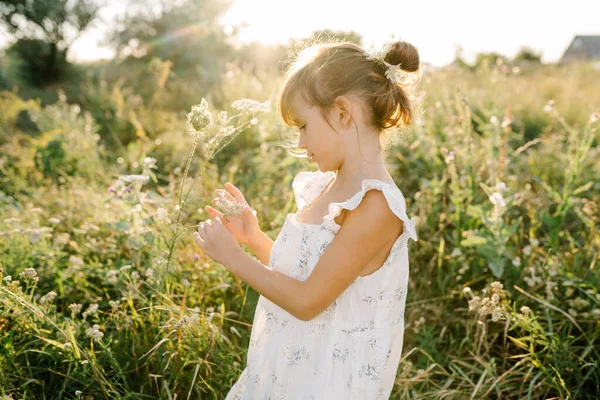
(527,54)
(45,30)
(186,32)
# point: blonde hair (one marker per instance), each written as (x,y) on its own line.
(323,71)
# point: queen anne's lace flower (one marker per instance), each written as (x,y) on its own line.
(228,207)
(200,117)
(251,106)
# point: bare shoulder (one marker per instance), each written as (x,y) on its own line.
(374,209)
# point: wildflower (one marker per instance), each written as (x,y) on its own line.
(494,120)
(75,308)
(226,130)
(111,276)
(497,200)
(149,163)
(467,290)
(501,186)
(185,283)
(29,273)
(496,286)
(527,250)
(48,297)
(418,323)
(516,261)
(76,261)
(534,242)
(456,252)
(474,303)
(450,157)
(161,216)
(125,267)
(525,310)
(595,117)
(114,305)
(497,314)
(251,106)
(135,275)
(53,220)
(91,310)
(7,278)
(133,178)
(549,107)
(253,121)
(94,332)
(35,234)
(495,298)
(228,207)
(506,121)
(200,117)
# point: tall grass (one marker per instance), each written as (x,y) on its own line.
(500,167)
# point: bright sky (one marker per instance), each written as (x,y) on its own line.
(435,27)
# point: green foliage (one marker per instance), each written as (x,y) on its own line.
(504,185)
(187,33)
(529,55)
(45,31)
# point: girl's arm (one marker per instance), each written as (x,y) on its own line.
(365,232)
(261,245)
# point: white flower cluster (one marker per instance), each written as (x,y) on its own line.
(162,216)
(200,117)
(252,106)
(488,305)
(91,310)
(94,332)
(134,178)
(228,207)
(75,308)
(48,297)
(497,200)
(30,274)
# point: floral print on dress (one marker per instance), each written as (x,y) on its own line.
(352,349)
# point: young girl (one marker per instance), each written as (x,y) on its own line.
(329,322)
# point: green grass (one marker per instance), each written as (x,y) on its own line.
(175,324)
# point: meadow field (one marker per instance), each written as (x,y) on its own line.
(104,293)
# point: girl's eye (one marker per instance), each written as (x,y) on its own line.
(303,126)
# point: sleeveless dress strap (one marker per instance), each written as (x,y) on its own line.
(307,185)
(395,200)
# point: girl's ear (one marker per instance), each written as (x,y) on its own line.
(343,111)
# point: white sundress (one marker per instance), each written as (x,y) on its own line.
(352,349)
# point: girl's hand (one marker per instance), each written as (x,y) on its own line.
(243,227)
(216,241)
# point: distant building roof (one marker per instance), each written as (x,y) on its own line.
(582,48)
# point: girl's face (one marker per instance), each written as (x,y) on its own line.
(322,144)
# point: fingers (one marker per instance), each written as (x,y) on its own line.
(213,212)
(236,192)
(225,194)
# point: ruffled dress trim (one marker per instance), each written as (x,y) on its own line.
(307,185)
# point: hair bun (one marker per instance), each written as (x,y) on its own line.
(405,54)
